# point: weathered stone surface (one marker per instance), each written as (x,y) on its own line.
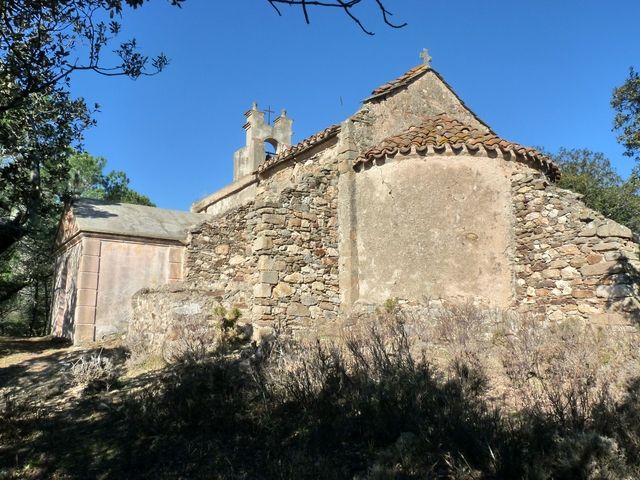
(295,277)
(591,283)
(222,249)
(613,229)
(297,309)
(282,290)
(266,262)
(308,300)
(269,277)
(262,290)
(262,243)
(601,268)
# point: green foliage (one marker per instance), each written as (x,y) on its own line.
(88,180)
(26,266)
(39,45)
(626,103)
(591,174)
(390,305)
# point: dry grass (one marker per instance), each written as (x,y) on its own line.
(407,394)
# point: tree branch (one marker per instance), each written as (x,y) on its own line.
(345,5)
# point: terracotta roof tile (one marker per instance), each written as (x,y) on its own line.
(400,81)
(300,147)
(442,131)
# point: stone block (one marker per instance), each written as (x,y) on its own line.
(175,254)
(569,273)
(91,246)
(86,297)
(326,306)
(89,263)
(298,310)
(559,263)
(269,277)
(569,250)
(222,249)
(582,294)
(613,229)
(308,300)
(295,277)
(588,231)
(85,315)
(593,259)
(262,243)
(236,260)
(260,310)
(273,219)
(552,273)
(88,280)
(282,290)
(601,268)
(265,262)
(601,247)
(587,309)
(262,290)
(318,286)
(84,333)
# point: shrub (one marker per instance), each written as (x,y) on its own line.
(94,372)
(195,338)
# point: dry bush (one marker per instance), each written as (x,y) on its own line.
(566,369)
(94,372)
(194,339)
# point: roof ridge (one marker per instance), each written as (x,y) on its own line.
(413,74)
(440,131)
(398,82)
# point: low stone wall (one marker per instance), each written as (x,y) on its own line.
(570,261)
(159,314)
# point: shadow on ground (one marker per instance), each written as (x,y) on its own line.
(387,418)
(16,345)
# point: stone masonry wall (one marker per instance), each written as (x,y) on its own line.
(218,257)
(275,259)
(296,246)
(571,262)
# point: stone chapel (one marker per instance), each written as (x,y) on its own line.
(412,197)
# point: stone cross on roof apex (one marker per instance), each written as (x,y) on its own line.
(426,58)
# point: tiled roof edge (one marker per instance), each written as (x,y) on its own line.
(300,147)
(421,138)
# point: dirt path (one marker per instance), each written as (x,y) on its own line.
(39,368)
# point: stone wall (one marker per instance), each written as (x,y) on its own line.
(275,259)
(571,262)
(296,245)
(160,313)
(434,227)
(218,257)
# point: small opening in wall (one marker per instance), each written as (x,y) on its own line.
(270,148)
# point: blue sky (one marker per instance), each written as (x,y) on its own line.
(538,72)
